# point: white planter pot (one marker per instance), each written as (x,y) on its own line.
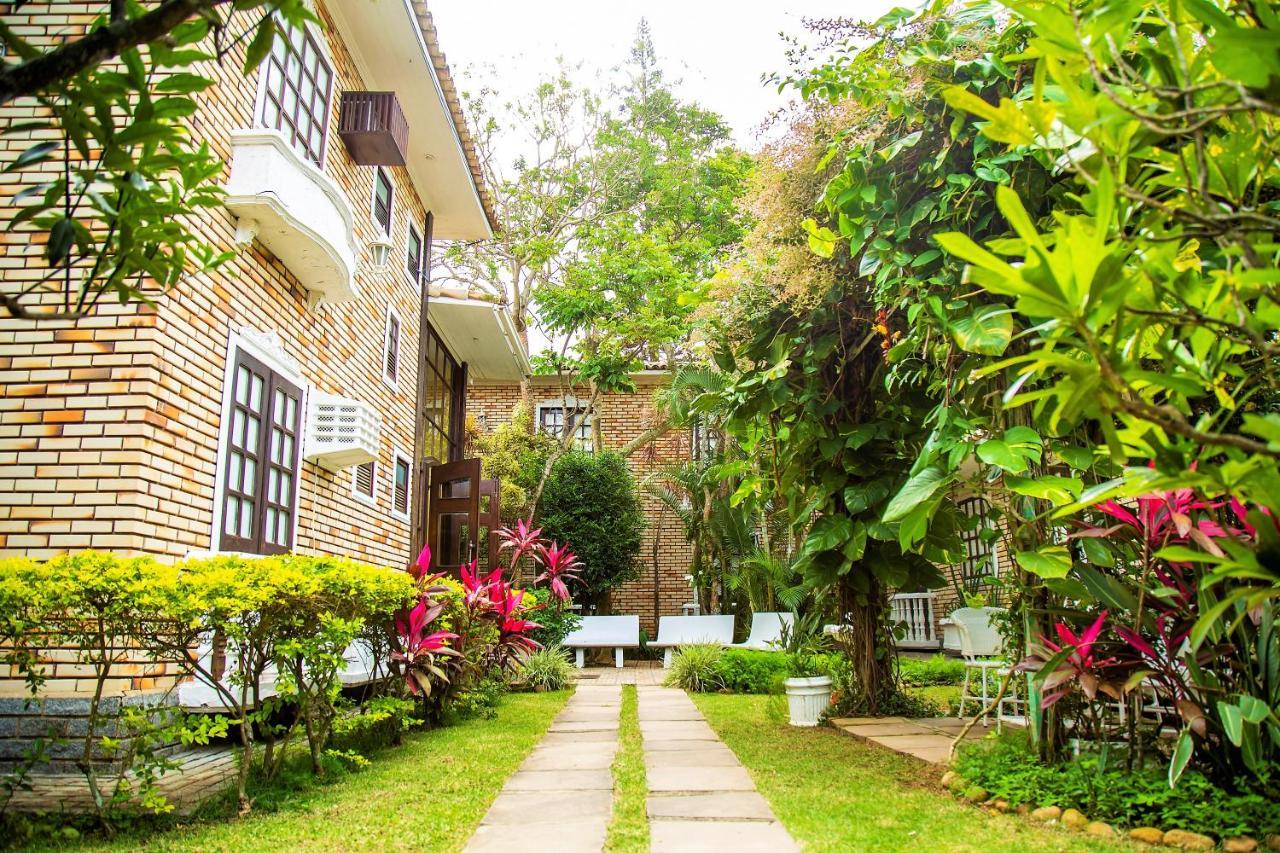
(950,635)
(808,698)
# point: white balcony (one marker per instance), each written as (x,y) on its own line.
(296,210)
(341,432)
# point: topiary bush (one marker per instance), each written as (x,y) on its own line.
(591,500)
(747,671)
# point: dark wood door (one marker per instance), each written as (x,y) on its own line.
(453,514)
(490,521)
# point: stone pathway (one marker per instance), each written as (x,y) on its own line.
(561,798)
(700,797)
(927,739)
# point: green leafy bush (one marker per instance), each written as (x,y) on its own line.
(545,669)
(1007,770)
(591,500)
(748,671)
(555,620)
(932,672)
(696,668)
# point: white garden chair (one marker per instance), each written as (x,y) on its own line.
(766,632)
(980,643)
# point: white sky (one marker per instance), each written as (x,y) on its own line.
(718,49)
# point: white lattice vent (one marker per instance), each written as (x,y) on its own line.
(341,432)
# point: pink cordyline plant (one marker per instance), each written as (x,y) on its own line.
(525,539)
(1080,666)
(559,565)
(419,649)
(475,589)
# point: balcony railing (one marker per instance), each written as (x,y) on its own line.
(374,129)
(915,609)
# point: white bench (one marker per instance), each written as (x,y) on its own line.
(676,631)
(766,632)
(604,632)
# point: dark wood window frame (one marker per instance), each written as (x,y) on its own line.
(443,402)
(554,418)
(261,470)
(383,215)
(413,254)
(370,496)
(392,340)
(401,484)
(297,91)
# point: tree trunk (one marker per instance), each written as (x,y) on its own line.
(867,643)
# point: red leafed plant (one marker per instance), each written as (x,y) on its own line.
(420,649)
(1074,662)
(558,566)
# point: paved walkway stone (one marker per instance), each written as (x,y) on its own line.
(926,739)
(561,797)
(701,798)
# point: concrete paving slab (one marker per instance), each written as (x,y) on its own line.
(715,805)
(699,779)
(587,715)
(865,721)
(587,726)
(572,757)
(888,729)
(700,836)
(699,756)
(663,715)
(677,730)
(596,736)
(560,780)
(518,808)
(678,744)
(579,836)
(902,743)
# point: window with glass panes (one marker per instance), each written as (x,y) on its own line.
(554,419)
(442,402)
(400,485)
(413,259)
(297,90)
(261,473)
(382,195)
(391,348)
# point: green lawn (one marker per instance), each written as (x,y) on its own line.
(629,828)
(428,794)
(834,793)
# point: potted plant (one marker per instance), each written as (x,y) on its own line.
(807,685)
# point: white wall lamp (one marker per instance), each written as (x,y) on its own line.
(380,252)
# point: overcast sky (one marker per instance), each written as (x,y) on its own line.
(718,49)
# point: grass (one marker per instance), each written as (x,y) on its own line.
(629,827)
(835,793)
(428,794)
(945,696)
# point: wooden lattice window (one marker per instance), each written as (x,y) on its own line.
(261,473)
(554,419)
(979,565)
(297,91)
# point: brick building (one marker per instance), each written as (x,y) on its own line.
(620,418)
(297,397)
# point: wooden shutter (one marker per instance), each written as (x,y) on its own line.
(400,487)
(283,444)
(413,260)
(365,479)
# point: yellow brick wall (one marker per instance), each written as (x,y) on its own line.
(109,426)
(622,417)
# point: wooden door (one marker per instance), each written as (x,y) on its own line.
(490,521)
(453,514)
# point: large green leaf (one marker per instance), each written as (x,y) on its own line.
(1181,757)
(987,331)
(914,492)
(1232,721)
(1048,561)
(1056,490)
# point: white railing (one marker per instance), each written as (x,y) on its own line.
(915,609)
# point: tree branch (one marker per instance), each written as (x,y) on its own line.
(36,75)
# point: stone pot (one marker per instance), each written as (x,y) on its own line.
(808,698)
